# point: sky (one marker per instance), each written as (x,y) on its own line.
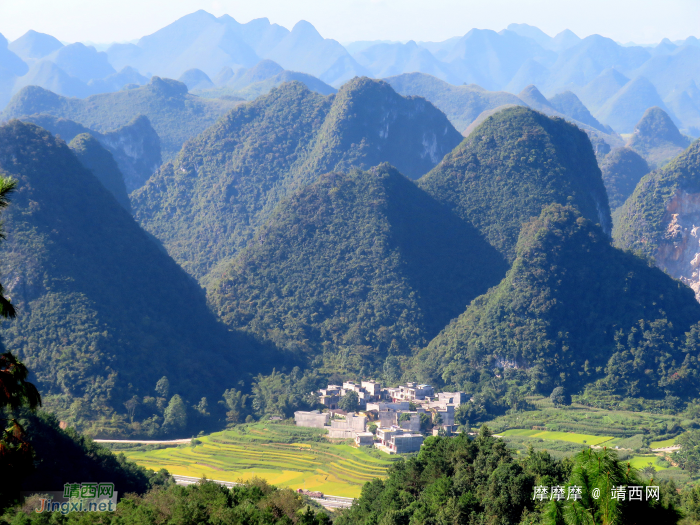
(103,21)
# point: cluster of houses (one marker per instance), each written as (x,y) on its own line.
(396,413)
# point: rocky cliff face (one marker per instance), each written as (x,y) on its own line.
(136,148)
(679,251)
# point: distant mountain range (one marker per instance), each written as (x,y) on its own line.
(215,56)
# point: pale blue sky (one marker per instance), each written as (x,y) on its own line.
(641,21)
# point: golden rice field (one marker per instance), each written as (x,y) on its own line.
(284,455)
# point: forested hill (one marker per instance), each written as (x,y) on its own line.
(573,310)
(103,313)
(205,204)
(660,217)
(511,166)
(102,165)
(174,114)
(355,267)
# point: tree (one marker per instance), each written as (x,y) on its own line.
(599,472)
(175,415)
(15,393)
(560,396)
(163,387)
(235,401)
(350,402)
(688,457)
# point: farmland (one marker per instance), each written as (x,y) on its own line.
(285,455)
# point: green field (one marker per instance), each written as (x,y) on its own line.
(571,437)
(663,444)
(285,455)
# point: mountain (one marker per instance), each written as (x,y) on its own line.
(530,73)
(101,163)
(103,312)
(228,180)
(262,87)
(536,100)
(135,146)
(344,69)
(11,67)
(244,77)
(681,102)
(490,59)
(303,49)
(583,62)
(516,162)
(535,33)
(660,218)
(202,41)
(622,169)
(564,40)
(128,76)
(656,137)
(49,76)
(362,264)
(10,63)
(249,84)
(196,79)
(567,103)
(668,71)
(386,60)
(33,46)
(603,87)
(461,104)
(571,311)
(82,62)
(198,40)
(626,107)
(175,115)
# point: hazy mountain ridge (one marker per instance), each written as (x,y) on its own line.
(174,114)
(509,60)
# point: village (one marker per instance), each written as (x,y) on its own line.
(394,420)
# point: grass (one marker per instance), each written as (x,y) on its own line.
(572,437)
(285,455)
(663,444)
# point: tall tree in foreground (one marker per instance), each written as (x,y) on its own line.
(15,392)
(604,490)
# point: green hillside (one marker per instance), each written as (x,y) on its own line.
(659,218)
(103,313)
(176,115)
(656,138)
(622,169)
(571,311)
(206,204)
(101,163)
(513,164)
(356,267)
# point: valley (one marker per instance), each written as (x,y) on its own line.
(451,280)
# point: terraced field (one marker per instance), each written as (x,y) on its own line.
(285,455)
(571,437)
